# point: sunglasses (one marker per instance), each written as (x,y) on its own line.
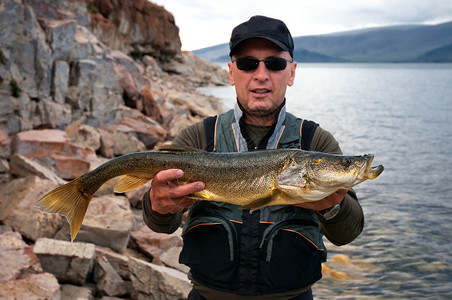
(271,63)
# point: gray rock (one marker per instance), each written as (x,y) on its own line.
(22,166)
(7,106)
(118,140)
(31,286)
(69,262)
(86,45)
(171,259)
(83,135)
(70,292)
(17,207)
(108,280)
(54,114)
(108,222)
(52,148)
(157,282)
(31,55)
(60,35)
(60,81)
(16,257)
(117,261)
(4,166)
(89,92)
(5,151)
(155,243)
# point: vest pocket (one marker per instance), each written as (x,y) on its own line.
(210,248)
(292,252)
(304,228)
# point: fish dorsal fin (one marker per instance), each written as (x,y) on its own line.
(178,149)
(129,182)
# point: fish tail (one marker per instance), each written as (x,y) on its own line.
(69,201)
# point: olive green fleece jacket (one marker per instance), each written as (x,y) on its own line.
(340,230)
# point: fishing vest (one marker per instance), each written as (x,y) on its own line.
(272,250)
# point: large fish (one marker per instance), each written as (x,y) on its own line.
(251,180)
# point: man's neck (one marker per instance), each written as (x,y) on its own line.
(267,120)
(261,118)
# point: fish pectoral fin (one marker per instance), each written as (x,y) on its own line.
(196,198)
(200,195)
(178,149)
(129,182)
(262,202)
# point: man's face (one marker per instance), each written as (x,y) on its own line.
(261,91)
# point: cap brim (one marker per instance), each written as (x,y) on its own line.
(274,41)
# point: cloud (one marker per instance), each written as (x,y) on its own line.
(204,23)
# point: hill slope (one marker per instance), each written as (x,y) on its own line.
(404,43)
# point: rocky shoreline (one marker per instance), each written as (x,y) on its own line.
(82,82)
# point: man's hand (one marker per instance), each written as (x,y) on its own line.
(326,202)
(167,197)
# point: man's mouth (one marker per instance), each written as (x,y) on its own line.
(260,91)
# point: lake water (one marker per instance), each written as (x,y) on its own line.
(402,113)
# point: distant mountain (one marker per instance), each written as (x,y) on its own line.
(218,53)
(438,55)
(404,43)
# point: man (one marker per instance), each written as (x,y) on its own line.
(274,252)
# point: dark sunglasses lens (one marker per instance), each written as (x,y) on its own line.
(247,63)
(271,63)
(275,63)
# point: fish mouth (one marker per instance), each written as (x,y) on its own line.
(368,171)
(375,171)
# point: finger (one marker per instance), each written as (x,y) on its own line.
(162,177)
(185,190)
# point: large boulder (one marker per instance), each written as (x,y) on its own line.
(108,222)
(152,281)
(17,208)
(70,292)
(32,286)
(154,243)
(135,27)
(22,166)
(69,262)
(53,149)
(16,257)
(118,261)
(107,279)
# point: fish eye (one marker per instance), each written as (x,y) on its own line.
(347,162)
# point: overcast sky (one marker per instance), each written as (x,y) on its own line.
(204,23)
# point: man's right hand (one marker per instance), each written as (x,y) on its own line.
(167,197)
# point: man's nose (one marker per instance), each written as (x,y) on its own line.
(261,72)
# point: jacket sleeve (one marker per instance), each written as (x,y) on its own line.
(349,222)
(192,136)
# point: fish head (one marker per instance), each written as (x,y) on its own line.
(316,175)
(341,171)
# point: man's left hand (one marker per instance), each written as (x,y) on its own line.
(326,202)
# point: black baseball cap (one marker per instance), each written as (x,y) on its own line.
(267,28)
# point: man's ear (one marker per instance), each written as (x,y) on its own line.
(231,76)
(293,67)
